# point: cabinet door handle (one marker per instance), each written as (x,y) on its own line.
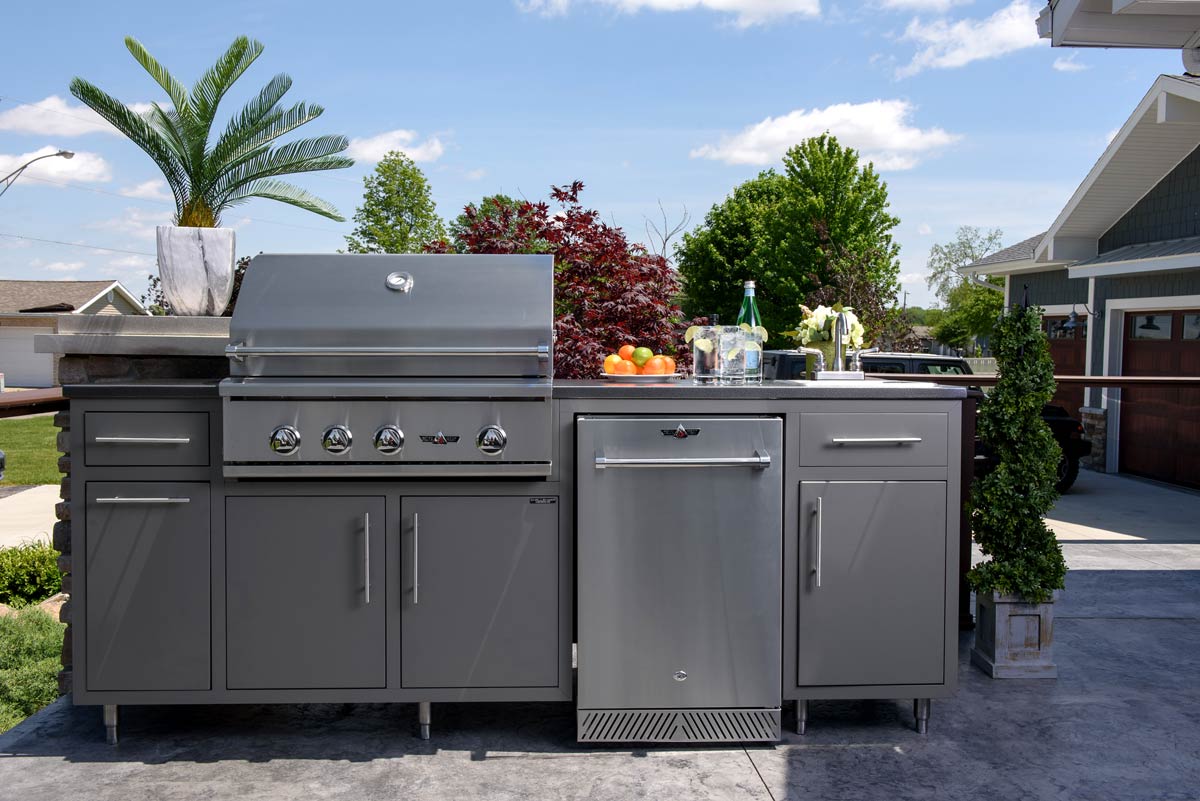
(817,567)
(875,440)
(367,556)
(145,440)
(416,558)
(144,500)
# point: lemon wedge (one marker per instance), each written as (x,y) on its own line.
(690,334)
(745,327)
(762,332)
(752,345)
(733,353)
(704,345)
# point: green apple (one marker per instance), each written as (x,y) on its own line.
(642,355)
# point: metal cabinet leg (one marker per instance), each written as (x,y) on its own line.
(424,714)
(921,713)
(110,723)
(801,716)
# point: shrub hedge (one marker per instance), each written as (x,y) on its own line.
(28,574)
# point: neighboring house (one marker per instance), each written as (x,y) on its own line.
(1118,276)
(1121,23)
(29,308)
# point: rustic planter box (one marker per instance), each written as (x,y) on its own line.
(1014,638)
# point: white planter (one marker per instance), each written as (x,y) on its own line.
(196,268)
(1014,639)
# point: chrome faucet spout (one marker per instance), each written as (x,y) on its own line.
(820,365)
(840,329)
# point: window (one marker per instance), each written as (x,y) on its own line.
(872,366)
(1151,326)
(941,368)
(1191,327)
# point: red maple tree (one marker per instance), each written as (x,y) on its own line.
(607,292)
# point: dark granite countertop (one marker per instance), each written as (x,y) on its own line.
(592,390)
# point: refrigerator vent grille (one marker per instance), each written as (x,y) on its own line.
(679,726)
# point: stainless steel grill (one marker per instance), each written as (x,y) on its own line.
(430,365)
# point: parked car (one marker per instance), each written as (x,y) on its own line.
(1068,431)
(1,465)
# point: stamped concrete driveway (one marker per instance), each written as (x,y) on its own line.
(1122,721)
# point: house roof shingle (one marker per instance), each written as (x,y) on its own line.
(1145,250)
(48,296)
(1022,251)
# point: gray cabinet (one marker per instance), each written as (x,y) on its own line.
(305,599)
(872,583)
(481,596)
(147,618)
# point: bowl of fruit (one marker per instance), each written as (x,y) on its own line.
(635,364)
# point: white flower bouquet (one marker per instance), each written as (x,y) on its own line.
(817,326)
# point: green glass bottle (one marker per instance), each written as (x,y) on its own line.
(749,317)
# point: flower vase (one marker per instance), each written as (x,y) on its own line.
(826,347)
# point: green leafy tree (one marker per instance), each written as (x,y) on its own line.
(785,229)
(208,179)
(397,214)
(970,244)
(1007,506)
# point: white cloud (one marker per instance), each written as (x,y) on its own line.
(879,130)
(154,189)
(132,263)
(920,5)
(137,223)
(924,230)
(64,266)
(746,12)
(475,175)
(1111,135)
(53,116)
(374,148)
(912,278)
(83,167)
(1069,64)
(945,45)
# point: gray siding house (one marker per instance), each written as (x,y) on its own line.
(1118,277)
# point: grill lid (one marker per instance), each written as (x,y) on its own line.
(410,316)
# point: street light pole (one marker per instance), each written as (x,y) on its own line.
(11,178)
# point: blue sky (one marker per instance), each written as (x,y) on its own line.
(971,120)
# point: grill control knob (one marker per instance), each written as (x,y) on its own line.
(285,440)
(337,439)
(389,440)
(491,440)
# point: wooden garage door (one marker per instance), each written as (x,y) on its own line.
(1068,349)
(1160,428)
(20,365)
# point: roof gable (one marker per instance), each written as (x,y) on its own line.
(57,297)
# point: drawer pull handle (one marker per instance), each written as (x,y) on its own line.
(416,557)
(817,512)
(875,440)
(145,440)
(367,557)
(759,460)
(144,500)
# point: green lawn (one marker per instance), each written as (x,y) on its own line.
(29,444)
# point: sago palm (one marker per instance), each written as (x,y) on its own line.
(242,163)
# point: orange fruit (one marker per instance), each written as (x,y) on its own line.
(655,365)
(670,365)
(610,363)
(625,367)
(626,352)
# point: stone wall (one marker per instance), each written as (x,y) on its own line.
(1095,431)
(62,542)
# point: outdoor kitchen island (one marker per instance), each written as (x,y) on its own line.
(240,591)
(389,506)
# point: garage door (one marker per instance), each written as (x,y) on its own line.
(20,365)
(1160,428)
(1068,350)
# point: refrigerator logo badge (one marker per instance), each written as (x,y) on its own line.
(681,432)
(438,439)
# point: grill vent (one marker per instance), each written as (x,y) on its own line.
(679,726)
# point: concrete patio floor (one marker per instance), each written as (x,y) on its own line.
(1122,721)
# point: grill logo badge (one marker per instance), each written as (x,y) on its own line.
(680,433)
(438,439)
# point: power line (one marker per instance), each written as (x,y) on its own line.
(76,244)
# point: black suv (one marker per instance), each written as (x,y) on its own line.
(1067,430)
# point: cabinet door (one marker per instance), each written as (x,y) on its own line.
(147,604)
(872,583)
(305,592)
(481,592)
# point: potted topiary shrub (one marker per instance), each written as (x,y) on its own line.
(1014,588)
(196,256)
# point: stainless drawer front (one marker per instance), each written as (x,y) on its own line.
(860,439)
(146,439)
